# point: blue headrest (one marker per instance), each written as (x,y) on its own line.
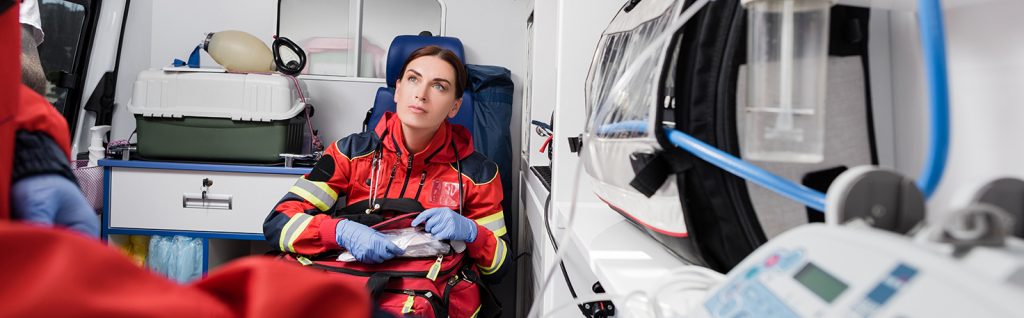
(403,45)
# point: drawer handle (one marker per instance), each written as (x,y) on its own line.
(206,201)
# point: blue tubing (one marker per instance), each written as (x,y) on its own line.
(933,38)
(541,124)
(629,126)
(807,196)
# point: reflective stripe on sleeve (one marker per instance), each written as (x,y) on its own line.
(318,193)
(499,259)
(495,223)
(291,231)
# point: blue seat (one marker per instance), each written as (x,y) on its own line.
(401,47)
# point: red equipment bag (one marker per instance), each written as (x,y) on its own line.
(442,286)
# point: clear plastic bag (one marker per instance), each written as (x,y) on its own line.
(158,254)
(415,242)
(180,258)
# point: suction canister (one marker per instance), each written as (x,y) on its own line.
(787,57)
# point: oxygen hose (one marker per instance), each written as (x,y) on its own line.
(933,39)
(807,196)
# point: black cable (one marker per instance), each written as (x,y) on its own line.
(458,165)
(561,264)
(120,38)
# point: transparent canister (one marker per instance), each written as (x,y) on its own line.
(787,56)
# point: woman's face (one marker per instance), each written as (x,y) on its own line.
(425,95)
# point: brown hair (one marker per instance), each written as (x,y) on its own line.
(446,55)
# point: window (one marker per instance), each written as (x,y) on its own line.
(67,26)
(325,29)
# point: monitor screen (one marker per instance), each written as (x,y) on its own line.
(821,283)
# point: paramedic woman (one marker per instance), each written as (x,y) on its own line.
(415,154)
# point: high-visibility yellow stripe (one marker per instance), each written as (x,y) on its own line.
(291,231)
(326,188)
(309,197)
(302,227)
(491,218)
(477,312)
(318,193)
(500,232)
(282,239)
(499,259)
(494,222)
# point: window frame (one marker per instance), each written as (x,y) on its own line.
(80,64)
(356,23)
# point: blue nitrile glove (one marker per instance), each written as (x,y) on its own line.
(446,224)
(366,244)
(52,199)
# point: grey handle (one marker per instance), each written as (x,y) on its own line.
(206,201)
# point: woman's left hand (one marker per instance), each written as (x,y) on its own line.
(445,224)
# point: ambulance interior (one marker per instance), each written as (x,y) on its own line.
(658,158)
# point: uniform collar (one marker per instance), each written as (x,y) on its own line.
(448,140)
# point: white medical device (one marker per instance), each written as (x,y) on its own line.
(855,271)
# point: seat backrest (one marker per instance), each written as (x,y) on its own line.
(401,47)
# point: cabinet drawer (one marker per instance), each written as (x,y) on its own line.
(172,199)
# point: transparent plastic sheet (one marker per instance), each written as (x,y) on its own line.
(415,242)
(617,95)
(623,100)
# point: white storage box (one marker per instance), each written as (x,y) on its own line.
(223,117)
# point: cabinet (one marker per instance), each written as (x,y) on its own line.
(224,205)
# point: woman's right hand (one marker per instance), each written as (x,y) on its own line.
(366,244)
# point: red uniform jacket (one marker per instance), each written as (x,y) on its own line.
(10,82)
(298,224)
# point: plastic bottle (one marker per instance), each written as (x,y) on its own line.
(96,149)
(240,52)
